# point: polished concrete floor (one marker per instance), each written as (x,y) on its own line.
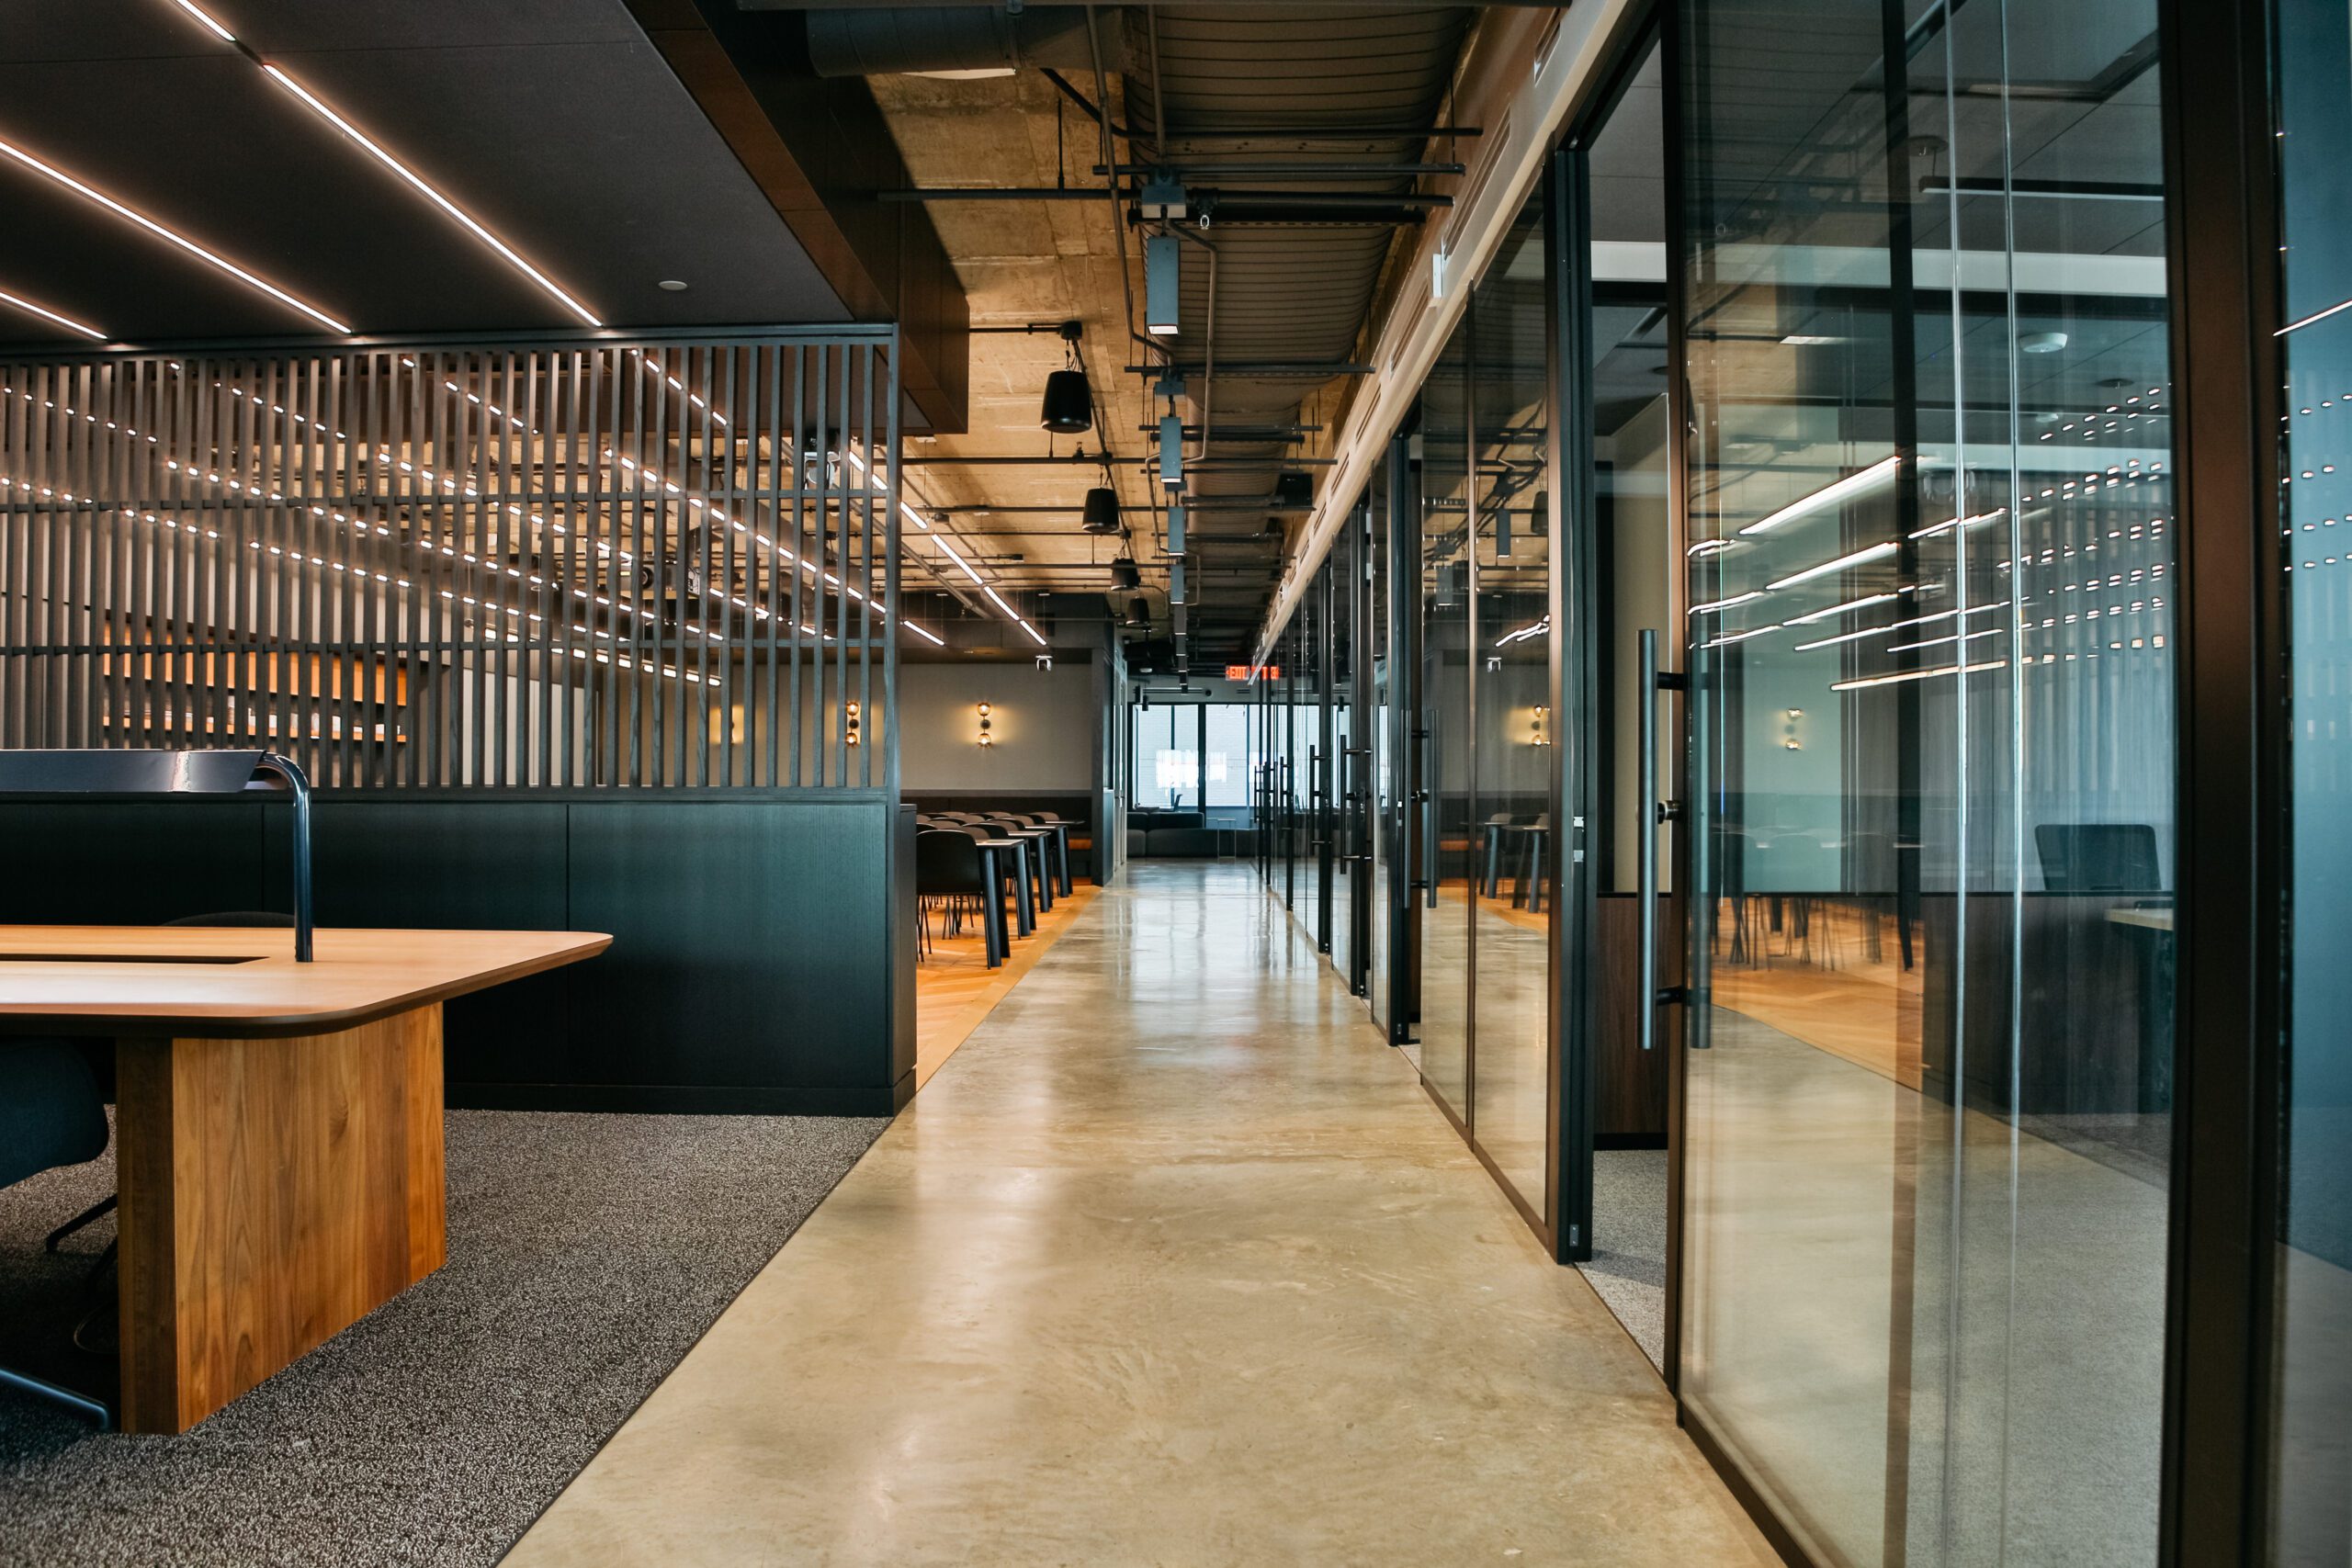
(1172,1263)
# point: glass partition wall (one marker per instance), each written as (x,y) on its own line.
(2310,1506)
(1861,395)
(1929,503)
(1511,890)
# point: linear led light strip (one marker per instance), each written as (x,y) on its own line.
(1853,558)
(416,181)
(211,258)
(1864,602)
(953,554)
(450,485)
(19,302)
(1898,625)
(648,477)
(1940,641)
(76,414)
(1932,530)
(50,492)
(427,546)
(1852,485)
(1900,676)
(661,375)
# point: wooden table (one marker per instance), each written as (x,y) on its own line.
(278,1134)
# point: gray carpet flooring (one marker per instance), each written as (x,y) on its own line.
(1628,1267)
(586,1255)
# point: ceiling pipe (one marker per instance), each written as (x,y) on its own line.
(944,40)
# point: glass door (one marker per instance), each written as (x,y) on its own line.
(2311,1505)
(1928,583)
(1512,891)
(1379,762)
(1620,575)
(1448,839)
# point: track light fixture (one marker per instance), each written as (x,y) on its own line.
(1069,401)
(1162,273)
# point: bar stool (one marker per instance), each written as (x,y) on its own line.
(1492,832)
(1530,890)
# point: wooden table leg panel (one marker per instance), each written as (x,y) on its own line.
(274,1191)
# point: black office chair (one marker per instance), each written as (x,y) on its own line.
(99,1054)
(2097,857)
(50,1115)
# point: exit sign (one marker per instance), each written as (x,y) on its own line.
(1250,671)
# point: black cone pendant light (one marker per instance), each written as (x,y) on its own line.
(1123,574)
(1101,512)
(1068,407)
(1069,403)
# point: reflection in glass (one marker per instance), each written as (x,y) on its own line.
(1928,627)
(1510,889)
(1448,839)
(2312,1504)
(1384,779)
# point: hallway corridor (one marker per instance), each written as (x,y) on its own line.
(1172,1263)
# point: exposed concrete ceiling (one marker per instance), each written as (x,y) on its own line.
(1026,264)
(1248,103)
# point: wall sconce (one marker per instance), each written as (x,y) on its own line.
(1789,731)
(853,711)
(1537,737)
(986,738)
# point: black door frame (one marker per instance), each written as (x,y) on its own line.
(2235,872)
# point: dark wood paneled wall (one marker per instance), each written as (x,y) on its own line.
(762,956)
(2085,1041)
(1628,1084)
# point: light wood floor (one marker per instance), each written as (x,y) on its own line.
(955,987)
(1830,993)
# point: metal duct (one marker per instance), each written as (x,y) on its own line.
(904,40)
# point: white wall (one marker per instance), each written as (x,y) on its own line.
(1041,722)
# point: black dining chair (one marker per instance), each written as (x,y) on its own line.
(950,867)
(1011,857)
(1040,840)
(51,1116)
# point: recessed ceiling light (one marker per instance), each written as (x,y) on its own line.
(674,284)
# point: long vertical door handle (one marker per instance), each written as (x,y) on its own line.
(1429,815)
(1645,849)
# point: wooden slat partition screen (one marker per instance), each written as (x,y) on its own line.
(641,562)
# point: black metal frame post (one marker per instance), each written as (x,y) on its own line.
(2234,872)
(1400,559)
(1359,785)
(1327,728)
(1567,295)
